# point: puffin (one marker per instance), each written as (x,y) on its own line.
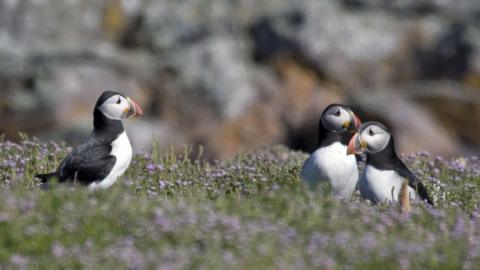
(330,162)
(106,154)
(384,172)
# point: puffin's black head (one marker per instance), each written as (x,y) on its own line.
(116,106)
(372,137)
(339,118)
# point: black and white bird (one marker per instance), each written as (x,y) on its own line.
(106,154)
(384,172)
(330,161)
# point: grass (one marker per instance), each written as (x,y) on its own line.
(252,212)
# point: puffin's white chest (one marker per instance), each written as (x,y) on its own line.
(122,151)
(332,163)
(379,186)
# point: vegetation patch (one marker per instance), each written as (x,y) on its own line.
(251,212)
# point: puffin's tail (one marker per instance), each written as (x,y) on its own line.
(47,177)
(422,191)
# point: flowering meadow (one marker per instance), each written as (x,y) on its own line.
(252,212)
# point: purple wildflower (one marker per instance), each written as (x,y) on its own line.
(58,250)
(150,168)
(19,261)
(459,228)
(342,238)
(369,241)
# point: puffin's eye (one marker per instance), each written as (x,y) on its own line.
(119,101)
(370,132)
(337,113)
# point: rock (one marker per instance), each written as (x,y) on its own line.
(143,133)
(42,23)
(224,79)
(236,75)
(72,90)
(260,126)
(461,119)
(449,57)
(412,125)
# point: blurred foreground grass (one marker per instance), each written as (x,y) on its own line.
(177,212)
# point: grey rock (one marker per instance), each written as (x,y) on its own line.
(239,74)
(413,126)
(71,90)
(143,133)
(217,67)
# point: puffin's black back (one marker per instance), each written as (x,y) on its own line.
(387,159)
(327,137)
(91,161)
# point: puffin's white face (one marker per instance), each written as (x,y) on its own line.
(118,107)
(375,137)
(338,119)
(371,137)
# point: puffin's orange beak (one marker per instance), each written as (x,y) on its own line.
(357,121)
(351,145)
(133,110)
(356,145)
(352,126)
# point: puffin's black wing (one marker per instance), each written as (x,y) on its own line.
(88,163)
(47,176)
(90,171)
(413,182)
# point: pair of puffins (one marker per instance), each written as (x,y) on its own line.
(341,136)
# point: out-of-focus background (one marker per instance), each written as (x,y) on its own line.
(236,75)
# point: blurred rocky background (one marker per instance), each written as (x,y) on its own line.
(236,75)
